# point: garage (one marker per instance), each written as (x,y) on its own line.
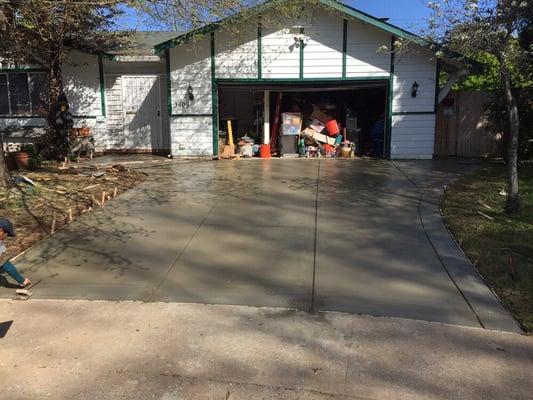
(330,62)
(305,120)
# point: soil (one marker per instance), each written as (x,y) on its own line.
(58,196)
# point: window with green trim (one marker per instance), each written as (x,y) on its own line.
(23,93)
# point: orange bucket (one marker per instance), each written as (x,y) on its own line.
(264,151)
(333,128)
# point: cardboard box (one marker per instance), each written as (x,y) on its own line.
(317,126)
(319,137)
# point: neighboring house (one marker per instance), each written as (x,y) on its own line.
(175,97)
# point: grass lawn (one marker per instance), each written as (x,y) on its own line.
(502,248)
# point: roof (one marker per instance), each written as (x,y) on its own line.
(142,43)
(333,4)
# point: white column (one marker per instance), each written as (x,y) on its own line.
(266,117)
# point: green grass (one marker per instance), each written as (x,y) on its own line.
(502,249)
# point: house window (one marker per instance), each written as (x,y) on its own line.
(23,93)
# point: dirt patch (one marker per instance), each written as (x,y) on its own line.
(46,200)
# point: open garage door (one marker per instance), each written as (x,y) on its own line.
(256,111)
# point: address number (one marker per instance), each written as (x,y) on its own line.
(184,104)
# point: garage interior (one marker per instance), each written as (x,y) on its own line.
(312,120)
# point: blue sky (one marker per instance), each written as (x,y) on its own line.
(408,14)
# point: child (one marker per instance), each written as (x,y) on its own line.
(6,229)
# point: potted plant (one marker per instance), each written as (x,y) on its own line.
(28,157)
(22,158)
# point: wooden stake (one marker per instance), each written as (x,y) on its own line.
(115,192)
(53,229)
(70,215)
(103,198)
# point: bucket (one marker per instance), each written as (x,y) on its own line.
(264,151)
(333,128)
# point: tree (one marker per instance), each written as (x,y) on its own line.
(471,27)
(42,33)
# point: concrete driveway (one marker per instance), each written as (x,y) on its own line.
(355,236)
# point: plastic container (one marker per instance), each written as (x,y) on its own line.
(291,123)
(264,151)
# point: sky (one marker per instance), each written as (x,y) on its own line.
(411,15)
(408,14)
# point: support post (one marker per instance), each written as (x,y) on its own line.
(266,117)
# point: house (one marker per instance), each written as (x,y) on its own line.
(177,96)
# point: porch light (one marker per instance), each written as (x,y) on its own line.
(414,89)
(190,93)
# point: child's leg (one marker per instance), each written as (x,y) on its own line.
(12,272)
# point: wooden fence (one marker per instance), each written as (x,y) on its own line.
(462,127)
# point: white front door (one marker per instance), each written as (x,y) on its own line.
(141,96)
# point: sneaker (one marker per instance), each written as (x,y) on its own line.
(25,283)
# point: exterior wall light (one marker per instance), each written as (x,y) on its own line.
(190,93)
(414,89)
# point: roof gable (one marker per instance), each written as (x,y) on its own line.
(332,4)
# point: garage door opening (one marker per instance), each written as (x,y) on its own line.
(305,121)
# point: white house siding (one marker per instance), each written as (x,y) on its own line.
(236,53)
(280,58)
(81,80)
(190,64)
(363,55)
(191,136)
(413,136)
(115,138)
(191,132)
(323,49)
(408,68)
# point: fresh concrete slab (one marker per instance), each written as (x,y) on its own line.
(336,235)
(130,350)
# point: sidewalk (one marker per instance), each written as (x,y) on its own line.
(108,350)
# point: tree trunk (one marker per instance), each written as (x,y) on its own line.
(513,198)
(54,141)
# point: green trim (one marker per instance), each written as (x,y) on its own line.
(246,81)
(437,87)
(301,55)
(190,115)
(214,97)
(352,12)
(414,113)
(102,86)
(259,52)
(27,70)
(388,140)
(168,82)
(344,46)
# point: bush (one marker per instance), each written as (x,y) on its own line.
(497,113)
